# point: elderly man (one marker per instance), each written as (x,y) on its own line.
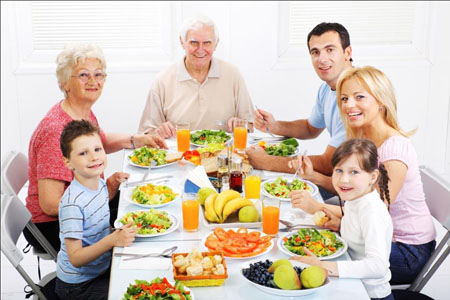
(330,50)
(203,91)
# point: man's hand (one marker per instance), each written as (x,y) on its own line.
(166,130)
(263,119)
(257,156)
(151,140)
(113,182)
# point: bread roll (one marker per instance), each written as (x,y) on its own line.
(320,218)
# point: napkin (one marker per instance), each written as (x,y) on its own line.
(146,263)
(197,179)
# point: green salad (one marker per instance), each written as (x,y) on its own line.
(152,194)
(206,136)
(321,243)
(285,148)
(281,189)
(144,156)
(148,222)
(157,289)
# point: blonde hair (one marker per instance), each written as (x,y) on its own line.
(378,85)
(71,56)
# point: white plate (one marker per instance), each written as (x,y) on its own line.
(172,218)
(240,258)
(314,192)
(233,220)
(204,145)
(129,198)
(171,282)
(146,167)
(297,149)
(283,249)
(280,292)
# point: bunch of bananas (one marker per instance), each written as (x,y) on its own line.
(219,206)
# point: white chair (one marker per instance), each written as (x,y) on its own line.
(437,194)
(14,177)
(14,218)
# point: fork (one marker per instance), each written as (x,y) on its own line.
(166,253)
(299,166)
(265,124)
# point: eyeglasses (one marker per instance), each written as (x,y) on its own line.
(84,77)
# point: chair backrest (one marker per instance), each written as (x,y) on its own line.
(437,194)
(14,218)
(14,173)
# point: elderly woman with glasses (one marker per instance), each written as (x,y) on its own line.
(201,90)
(81,75)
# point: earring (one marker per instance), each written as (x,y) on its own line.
(380,108)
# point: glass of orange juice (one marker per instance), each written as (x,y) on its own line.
(240,133)
(252,186)
(183,137)
(270,215)
(190,208)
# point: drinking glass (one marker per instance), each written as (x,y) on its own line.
(183,137)
(252,186)
(271,215)
(190,208)
(240,133)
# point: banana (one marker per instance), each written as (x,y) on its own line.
(222,199)
(210,213)
(235,205)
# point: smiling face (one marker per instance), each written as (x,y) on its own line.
(350,181)
(199,47)
(328,57)
(359,106)
(87,157)
(88,91)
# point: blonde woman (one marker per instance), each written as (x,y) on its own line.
(369,110)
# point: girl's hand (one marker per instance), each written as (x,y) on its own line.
(302,199)
(309,259)
(306,167)
(334,222)
(125,235)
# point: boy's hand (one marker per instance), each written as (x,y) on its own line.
(125,235)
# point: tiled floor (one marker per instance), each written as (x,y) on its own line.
(12,284)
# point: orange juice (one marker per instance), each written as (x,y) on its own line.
(240,137)
(183,140)
(190,214)
(252,187)
(271,215)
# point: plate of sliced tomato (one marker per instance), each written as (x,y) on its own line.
(238,243)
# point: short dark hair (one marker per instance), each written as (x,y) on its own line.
(336,27)
(72,130)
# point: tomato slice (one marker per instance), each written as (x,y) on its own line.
(242,231)
(211,244)
(221,233)
(265,239)
(231,249)
(239,242)
(253,236)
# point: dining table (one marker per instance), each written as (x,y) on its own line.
(235,287)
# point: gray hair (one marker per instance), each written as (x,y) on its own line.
(196,23)
(71,56)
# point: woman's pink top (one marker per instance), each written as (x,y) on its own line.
(411,217)
(45,160)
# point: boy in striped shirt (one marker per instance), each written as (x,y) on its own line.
(86,238)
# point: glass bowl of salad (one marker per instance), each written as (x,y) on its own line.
(281,187)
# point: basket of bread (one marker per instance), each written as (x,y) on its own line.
(199,268)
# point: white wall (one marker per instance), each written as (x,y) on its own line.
(249,38)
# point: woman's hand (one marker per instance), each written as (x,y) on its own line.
(166,130)
(302,199)
(334,222)
(150,140)
(113,182)
(124,236)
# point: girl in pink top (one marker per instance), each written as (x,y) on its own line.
(369,110)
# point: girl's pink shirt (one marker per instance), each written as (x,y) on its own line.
(411,217)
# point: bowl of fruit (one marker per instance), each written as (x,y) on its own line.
(285,277)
